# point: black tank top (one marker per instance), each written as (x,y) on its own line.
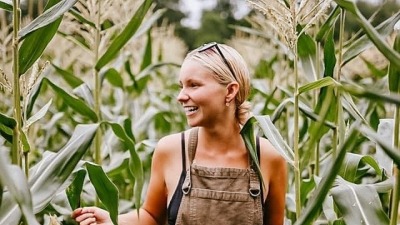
(173,207)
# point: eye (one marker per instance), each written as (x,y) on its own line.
(193,84)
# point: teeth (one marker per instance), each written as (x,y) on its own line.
(190,109)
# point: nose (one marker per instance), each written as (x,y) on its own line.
(182,96)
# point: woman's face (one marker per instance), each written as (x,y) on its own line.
(201,96)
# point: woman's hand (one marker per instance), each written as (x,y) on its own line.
(91,216)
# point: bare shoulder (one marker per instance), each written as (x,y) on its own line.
(168,148)
(168,140)
(172,142)
(269,154)
(273,164)
(168,144)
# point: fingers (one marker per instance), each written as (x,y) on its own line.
(84,216)
(76,212)
(88,221)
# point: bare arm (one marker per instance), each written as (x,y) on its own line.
(98,216)
(153,211)
(275,171)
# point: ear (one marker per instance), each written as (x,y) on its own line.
(231,91)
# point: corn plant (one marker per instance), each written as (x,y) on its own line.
(332,186)
(105,78)
(60,165)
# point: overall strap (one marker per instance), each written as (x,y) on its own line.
(187,184)
(183,151)
(259,163)
(255,181)
(193,137)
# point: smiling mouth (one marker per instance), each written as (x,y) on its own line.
(190,109)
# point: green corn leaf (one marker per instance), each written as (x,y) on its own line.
(128,128)
(149,22)
(72,101)
(371,32)
(315,202)
(26,147)
(34,44)
(74,190)
(276,139)
(148,52)
(307,52)
(114,77)
(325,109)
(141,79)
(318,84)
(6,5)
(81,19)
(77,104)
(14,179)
(359,91)
(359,204)
(329,209)
(29,103)
(50,174)
(7,121)
(48,17)
(394,71)
(135,164)
(329,55)
(69,77)
(118,166)
(307,185)
(247,134)
(303,108)
(83,92)
(105,189)
(375,71)
(353,163)
(328,25)
(40,114)
(7,124)
(390,151)
(350,106)
(362,43)
(124,36)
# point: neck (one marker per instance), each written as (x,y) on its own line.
(221,138)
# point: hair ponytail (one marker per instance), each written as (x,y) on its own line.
(243,112)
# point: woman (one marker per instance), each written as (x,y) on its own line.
(216,182)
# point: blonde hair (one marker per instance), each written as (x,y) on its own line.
(213,60)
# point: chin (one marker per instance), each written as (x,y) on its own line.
(192,123)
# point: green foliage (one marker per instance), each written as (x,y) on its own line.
(6,4)
(137,104)
(14,179)
(41,33)
(105,189)
(125,35)
(394,71)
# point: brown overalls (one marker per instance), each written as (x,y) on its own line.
(223,196)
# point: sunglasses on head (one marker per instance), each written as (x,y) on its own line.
(215,44)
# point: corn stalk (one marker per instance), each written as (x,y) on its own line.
(97,91)
(394,86)
(16,147)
